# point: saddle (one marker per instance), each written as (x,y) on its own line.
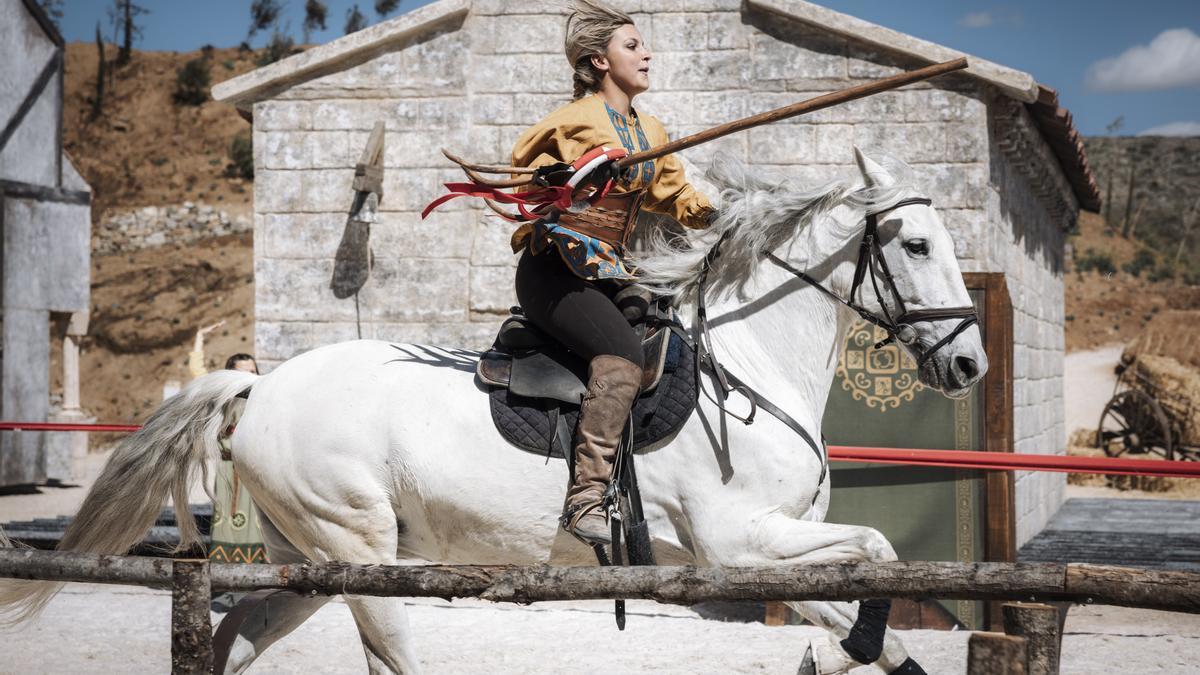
(536,385)
(531,364)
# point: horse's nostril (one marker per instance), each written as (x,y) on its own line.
(967,366)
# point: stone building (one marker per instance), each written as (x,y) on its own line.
(45,213)
(999,158)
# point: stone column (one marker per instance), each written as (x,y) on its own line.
(66,452)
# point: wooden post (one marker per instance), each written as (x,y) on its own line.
(996,654)
(1039,625)
(191,629)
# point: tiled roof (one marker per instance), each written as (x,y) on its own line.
(1058,129)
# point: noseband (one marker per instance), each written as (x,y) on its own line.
(871,264)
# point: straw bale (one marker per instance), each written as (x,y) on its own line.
(1172,333)
(1177,389)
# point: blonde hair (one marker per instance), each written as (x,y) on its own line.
(590,26)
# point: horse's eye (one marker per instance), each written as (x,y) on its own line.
(917,247)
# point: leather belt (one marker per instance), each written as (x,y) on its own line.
(611,220)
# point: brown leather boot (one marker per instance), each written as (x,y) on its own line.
(613,384)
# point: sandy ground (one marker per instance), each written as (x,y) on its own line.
(1089,385)
(96,629)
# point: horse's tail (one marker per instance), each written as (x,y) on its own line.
(163,458)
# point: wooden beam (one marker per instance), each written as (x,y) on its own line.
(41,193)
(54,65)
(1148,589)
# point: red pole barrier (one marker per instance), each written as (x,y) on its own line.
(52,426)
(1006,461)
(958,459)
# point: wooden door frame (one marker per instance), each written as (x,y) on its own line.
(1000,537)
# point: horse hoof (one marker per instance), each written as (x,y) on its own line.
(909,667)
(829,658)
(807,665)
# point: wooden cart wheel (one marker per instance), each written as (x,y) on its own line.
(1133,423)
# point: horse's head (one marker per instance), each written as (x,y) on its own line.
(925,296)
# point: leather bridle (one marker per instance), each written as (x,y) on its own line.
(899,327)
(871,264)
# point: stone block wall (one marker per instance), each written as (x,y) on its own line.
(474,87)
(1026,243)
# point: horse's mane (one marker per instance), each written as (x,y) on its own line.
(757,214)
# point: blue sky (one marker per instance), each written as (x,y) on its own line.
(1106,58)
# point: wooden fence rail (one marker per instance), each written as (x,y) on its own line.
(1128,587)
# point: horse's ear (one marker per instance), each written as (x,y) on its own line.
(873,173)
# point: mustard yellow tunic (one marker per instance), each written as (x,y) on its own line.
(572,130)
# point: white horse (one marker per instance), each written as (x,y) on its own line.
(373,452)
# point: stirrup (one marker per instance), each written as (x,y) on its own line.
(574,513)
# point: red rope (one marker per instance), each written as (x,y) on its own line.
(957,459)
(1009,461)
(54,426)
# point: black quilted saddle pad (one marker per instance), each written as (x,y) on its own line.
(528,422)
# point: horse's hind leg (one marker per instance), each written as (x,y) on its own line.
(369,535)
(263,621)
(386,637)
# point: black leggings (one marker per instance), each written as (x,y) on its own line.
(578,313)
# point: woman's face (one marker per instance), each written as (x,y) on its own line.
(627,60)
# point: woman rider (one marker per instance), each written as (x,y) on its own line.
(573,262)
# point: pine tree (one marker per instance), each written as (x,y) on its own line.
(98,102)
(315,12)
(385,7)
(124,16)
(263,15)
(355,21)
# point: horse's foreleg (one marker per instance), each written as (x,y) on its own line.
(838,618)
(861,628)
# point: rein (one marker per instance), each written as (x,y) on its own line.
(899,329)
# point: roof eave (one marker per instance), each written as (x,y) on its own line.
(345,52)
(1014,83)
(44,21)
(1053,121)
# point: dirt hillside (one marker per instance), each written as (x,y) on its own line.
(145,150)
(1113,305)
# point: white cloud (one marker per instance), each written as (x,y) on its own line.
(999,15)
(1174,129)
(1170,60)
(977,20)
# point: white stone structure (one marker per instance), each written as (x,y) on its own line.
(45,213)
(999,160)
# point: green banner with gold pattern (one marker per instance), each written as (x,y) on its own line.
(927,513)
